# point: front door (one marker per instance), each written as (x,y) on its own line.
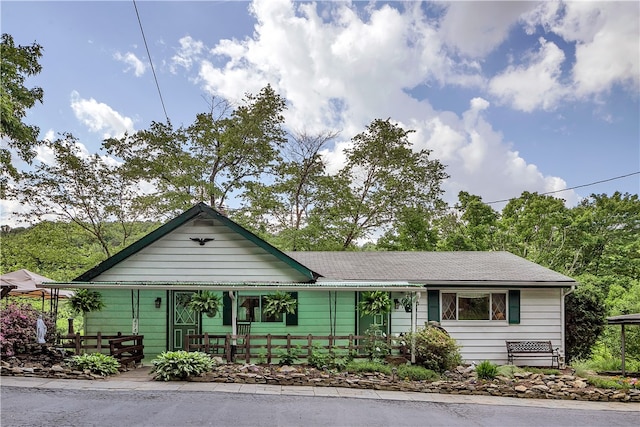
(183,321)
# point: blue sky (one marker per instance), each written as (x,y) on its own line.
(510,96)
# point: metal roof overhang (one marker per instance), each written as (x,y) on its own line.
(624,319)
(494,284)
(242,286)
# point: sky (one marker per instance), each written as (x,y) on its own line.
(509,96)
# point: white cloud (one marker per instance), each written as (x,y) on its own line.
(535,85)
(189,52)
(477,28)
(133,63)
(606,38)
(98,116)
(340,68)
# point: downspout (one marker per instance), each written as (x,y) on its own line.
(414,326)
(562,317)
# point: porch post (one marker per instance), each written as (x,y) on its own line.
(234,315)
(414,323)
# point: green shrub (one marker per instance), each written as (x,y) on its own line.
(288,357)
(375,344)
(97,363)
(416,373)
(486,370)
(328,359)
(508,370)
(368,366)
(435,349)
(178,365)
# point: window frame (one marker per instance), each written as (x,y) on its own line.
(461,294)
(262,318)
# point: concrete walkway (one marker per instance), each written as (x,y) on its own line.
(139,379)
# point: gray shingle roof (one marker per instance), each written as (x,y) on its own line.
(429,267)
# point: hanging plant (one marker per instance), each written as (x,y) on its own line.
(205,302)
(407,302)
(84,301)
(374,303)
(279,303)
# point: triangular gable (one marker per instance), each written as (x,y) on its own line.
(177,222)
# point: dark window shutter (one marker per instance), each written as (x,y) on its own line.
(292,319)
(226,308)
(514,306)
(433,305)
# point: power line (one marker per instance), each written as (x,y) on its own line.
(571,188)
(153,70)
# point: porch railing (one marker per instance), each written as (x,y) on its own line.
(269,347)
(125,348)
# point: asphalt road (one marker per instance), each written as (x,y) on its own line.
(64,407)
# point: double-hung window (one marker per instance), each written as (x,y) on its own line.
(474,306)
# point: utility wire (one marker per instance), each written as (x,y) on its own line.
(571,188)
(153,70)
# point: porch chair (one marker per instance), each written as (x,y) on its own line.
(243,330)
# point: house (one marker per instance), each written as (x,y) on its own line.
(480,298)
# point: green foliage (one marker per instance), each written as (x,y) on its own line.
(328,359)
(97,363)
(486,370)
(368,366)
(375,344)
(435,349)
(178,365)
(205,302)
(85,301)
(18,327)
(374,303)
(279,303)
(18,63)
(416,373)
(289,356)
(584,322)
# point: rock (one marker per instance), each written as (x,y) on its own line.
(579,384)
(520,388)
(287,369)
(57,368)
(540,387)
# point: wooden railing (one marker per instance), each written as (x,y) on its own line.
(125,348)
(273,346)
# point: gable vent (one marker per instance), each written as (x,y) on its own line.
(203,223)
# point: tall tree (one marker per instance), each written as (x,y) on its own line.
(381,177)
(281,209)
(83,189)
(471,228)
(17,63)
(219,155)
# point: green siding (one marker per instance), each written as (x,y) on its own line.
(117,317)
(313,318)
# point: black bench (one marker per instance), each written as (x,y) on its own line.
(532,349)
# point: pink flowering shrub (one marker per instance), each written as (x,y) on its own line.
(18,328)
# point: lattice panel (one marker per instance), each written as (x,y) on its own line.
(449,307)
(498,306)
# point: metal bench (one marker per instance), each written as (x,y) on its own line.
(532,349)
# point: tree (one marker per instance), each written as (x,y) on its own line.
(17,63)
(382,175)
(413,230)
(280,211)
(83,189)
(584,321)
(472,228)
(219,155)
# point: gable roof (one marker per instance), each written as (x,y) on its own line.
(198,210)
(433,268)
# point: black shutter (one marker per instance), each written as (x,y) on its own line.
(433,305)
(514,306)
(226,308)
(292,319)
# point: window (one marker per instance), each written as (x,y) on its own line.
(250,310)
(474,306)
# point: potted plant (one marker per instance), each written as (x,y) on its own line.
(84,301)
(205,302)
(279,303)
(407,302)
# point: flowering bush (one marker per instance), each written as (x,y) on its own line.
(18,327)
(434,349)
